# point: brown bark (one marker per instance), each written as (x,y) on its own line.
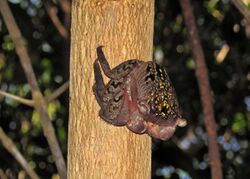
(95,148)
(205,89)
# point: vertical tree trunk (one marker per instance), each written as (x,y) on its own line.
(95,148)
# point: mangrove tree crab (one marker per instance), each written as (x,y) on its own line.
(138,95)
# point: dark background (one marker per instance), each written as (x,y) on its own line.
(185,156)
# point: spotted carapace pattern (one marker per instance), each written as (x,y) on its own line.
(139,95)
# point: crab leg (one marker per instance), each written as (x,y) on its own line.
(103,62)
(99,83)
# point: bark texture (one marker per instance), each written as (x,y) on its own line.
(95,148)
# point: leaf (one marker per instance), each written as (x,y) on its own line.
(239,123)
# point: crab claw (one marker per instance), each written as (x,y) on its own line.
(160,132)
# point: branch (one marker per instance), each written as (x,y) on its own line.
(243,9)
(58,92)
(52,12)
(245,12)
(39,101)
(9,145)
(2,174)
(205,90)
(21,174)
(27,102)
(66,6)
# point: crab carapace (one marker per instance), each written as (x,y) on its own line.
(139,95)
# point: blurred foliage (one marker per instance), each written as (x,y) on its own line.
(20,122)
(185,156)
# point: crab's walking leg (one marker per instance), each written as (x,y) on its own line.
(104,63)
(99,85)
(119,71)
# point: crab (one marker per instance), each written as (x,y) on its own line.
(139,95)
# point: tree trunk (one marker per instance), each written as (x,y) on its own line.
(95,148)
